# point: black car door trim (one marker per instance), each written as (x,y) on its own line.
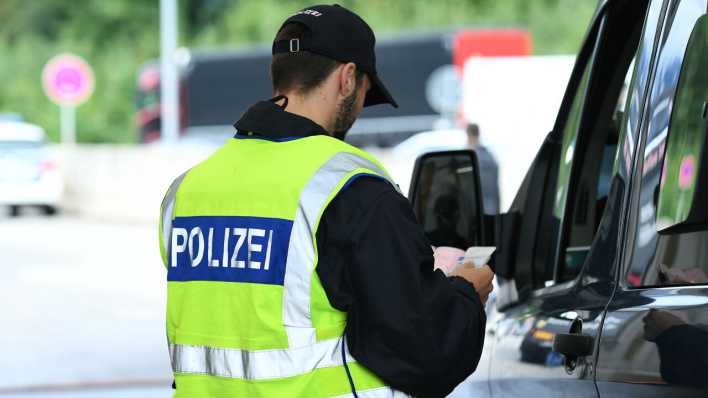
(582,59)
(631,202)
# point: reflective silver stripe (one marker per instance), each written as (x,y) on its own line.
(381,392)
(301,250)
(168,211)
(304,353)
(256,365)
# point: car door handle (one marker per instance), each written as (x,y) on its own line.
(574,345)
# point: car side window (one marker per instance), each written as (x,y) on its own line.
(588,152)
(570,137)
(555,192)
(677,109)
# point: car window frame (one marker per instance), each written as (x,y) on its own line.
(575,90)
(555,285)
(579,173)
(632,217)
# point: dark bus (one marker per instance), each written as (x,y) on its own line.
(217,87)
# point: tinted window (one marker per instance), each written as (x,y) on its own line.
(589,150)
(686,134)
(558,192)
(669,259)
(20,149)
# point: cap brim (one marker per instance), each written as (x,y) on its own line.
(378,94)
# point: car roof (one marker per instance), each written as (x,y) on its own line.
(429,141)
(21,131)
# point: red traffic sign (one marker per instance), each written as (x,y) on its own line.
(67,79)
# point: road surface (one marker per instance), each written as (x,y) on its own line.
(82,305)
(83,311)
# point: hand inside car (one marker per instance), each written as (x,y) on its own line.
(657,322)
(481,278)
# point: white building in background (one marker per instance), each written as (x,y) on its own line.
(514,100)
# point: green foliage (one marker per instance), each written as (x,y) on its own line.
(117,36)
(557,26)
(686,135)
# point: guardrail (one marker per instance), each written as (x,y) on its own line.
(122,183)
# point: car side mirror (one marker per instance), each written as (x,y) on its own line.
(683,194)
(446,196)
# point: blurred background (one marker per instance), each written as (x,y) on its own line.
(86,151)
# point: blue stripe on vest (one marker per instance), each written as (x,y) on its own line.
(229,249)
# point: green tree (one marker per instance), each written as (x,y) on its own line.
(117,36)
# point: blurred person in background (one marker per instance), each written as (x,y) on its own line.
(488,170)
(295,266)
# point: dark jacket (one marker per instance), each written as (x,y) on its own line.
(421,332)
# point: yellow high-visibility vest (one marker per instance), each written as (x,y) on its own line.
(246,313)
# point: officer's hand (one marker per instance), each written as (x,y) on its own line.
(480,278)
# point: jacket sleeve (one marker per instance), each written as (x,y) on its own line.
(683,355)
(421,332)
(165,224)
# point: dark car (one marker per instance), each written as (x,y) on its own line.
(607,238)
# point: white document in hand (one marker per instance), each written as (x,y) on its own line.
(478,255)
(449,258)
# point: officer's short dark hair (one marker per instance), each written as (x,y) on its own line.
(302,71)
(473,130)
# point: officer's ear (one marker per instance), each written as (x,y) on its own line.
(347,79)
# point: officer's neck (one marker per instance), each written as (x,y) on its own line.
(312,106)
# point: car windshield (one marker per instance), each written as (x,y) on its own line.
(21,150)
(14,146)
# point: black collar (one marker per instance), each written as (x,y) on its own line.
(269,120)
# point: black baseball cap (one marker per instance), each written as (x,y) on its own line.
(337,33)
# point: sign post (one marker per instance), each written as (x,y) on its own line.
(169,81)
(67,119)
(68,81)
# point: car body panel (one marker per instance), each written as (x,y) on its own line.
(586,296)
(633,357)
(558,273)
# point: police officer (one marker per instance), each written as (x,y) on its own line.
(489,170)
(295,267)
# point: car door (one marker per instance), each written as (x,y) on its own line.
(558,278)
(655,336)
